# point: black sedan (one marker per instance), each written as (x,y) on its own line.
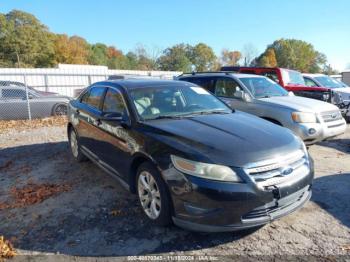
(189,157)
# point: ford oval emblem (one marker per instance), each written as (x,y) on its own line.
(287,171)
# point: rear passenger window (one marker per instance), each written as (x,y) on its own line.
(113,102)
(94,97)
(272,75)
(85,97)
(13,93)
(309,82)
(226,87)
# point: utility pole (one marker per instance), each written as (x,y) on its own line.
(18,63)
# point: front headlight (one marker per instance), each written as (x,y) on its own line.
(302,117)
(204,170)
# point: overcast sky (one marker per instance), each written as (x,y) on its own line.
(221,24)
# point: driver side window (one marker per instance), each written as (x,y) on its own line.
(226,87)
(309,82)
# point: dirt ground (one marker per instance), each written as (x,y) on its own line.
(93,217)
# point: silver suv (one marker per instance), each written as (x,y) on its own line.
(310,119)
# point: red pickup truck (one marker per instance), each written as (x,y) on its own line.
(291,80)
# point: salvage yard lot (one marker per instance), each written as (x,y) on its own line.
(51,204)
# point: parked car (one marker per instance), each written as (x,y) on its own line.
(290,80)
(340,92)
(19,84)
(14,103)
(188,156)
(312,120)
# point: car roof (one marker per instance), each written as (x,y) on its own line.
(129,84)
(313,75)
(238,75)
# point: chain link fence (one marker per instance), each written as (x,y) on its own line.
(33,95)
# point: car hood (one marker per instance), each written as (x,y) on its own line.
(298,103)
(344,91)
(235,139)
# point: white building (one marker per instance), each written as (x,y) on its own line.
(346,77)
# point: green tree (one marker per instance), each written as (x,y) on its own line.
(25,41)
(132,60)
(98,54)
(202,57)
(175,58)
(296,54)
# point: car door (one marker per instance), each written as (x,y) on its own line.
(13,104)
(225,89)
(88,113)
(116,141)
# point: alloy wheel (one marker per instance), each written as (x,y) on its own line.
(149,195)
(61,110)
(74,144)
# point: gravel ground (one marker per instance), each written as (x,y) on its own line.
(97,218)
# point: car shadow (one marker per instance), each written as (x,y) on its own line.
(342,145)
(332,193)
(95,217)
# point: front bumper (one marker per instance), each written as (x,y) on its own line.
(213,206)
(321,131)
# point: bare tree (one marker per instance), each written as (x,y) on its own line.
(249,53)
(148,56)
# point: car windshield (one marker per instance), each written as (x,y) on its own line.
(342,83)
(262,87)
(175,101)
(327,81)
(292,77)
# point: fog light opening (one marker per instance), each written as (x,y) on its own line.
(312,131)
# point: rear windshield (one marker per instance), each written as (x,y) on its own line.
(292,77)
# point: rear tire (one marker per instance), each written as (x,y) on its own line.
(153,194)
(59,110)
(75,146)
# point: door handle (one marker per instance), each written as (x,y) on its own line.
(97,122)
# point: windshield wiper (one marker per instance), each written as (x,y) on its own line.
(165,117)
(207,113)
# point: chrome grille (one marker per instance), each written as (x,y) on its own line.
(330,116)
(272,172)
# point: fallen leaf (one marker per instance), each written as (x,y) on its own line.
(6,248)
(33,193)
(346,247)
(116,212)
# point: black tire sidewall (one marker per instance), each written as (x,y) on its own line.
(164,218)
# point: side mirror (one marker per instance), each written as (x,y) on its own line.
(243,96)
(123,119)
(239,94)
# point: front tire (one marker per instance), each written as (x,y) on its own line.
(153,194)
(75,146)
